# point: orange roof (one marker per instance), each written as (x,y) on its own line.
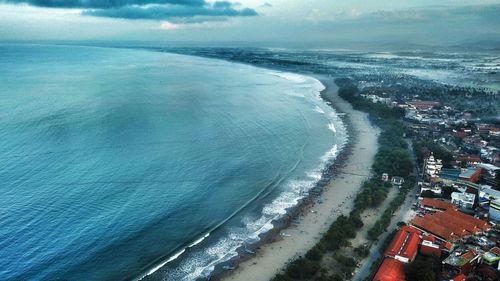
(450,224)
(436,204)
(451,217)
(390,270)
(460,277)
(470,219)
(404,244)
(433,227)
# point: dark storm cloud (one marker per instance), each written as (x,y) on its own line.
(102,4)
(161,12)
(179,10)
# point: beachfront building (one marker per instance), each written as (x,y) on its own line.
(404,245)
(463,200)
(433,166)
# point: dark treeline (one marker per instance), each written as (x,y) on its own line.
(392,158)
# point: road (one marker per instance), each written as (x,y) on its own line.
(402,214)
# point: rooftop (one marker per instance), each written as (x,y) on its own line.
(390,270)
(404,244)
(461,260)
(450,225)
(436,204)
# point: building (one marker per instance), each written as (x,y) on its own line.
(492,257)
(494,211)
(390,270)
(397,181)
(487,194)
(449,174)
(436,204)
(433,166)
(489,174)
(404,245)
(450,225)
(434,188)
(462,261)
(463,200)
(423,105)
(470,174)
(429,246)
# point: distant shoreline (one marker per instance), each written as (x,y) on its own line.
(304,225)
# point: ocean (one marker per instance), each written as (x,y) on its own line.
(117,164)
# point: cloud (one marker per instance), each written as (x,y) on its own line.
(102,4)
(171,10)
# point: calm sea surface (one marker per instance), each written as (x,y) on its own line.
(114,162)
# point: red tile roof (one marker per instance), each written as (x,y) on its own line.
(460,277)
(450,224)
(434,228)
(436,204)
(404,244)
(390,270)
(470,219)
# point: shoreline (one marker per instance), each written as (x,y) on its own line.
(304,224)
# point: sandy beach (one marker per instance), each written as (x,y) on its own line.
(337,198)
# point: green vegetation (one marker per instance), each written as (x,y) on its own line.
(383,222)
(392,158)
(424,147)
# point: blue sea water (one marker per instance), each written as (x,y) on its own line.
(116,164)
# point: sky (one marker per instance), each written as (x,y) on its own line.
(307,22)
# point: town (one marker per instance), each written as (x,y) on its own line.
(453,231)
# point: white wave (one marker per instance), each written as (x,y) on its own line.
(331,126)
(199,240)
(290,76)
(175,256)
(319,110)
